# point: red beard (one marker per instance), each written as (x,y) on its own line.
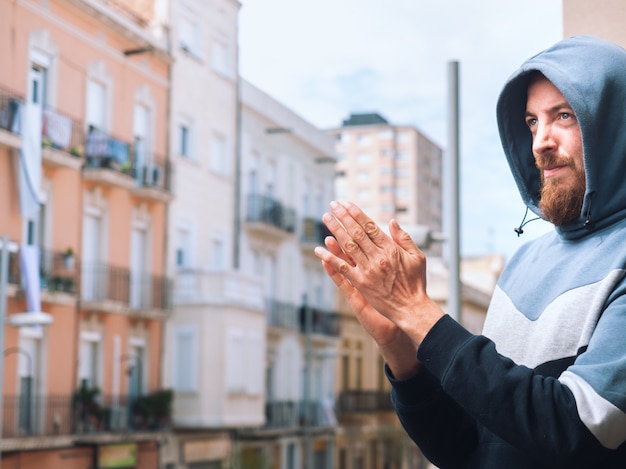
(562,198)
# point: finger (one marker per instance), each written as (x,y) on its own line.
(343,237)
(337,263)
(402,238)
(356,242)
(355,299)
(369,226)
(333,246)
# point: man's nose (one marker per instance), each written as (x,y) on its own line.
(543,139)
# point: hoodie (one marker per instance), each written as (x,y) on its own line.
(545,383)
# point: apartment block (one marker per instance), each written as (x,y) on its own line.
(215,346)
(287,169)
(391,171)
(84,189)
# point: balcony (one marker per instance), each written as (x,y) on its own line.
(269,216)
(324,322)
(221,288)
(62,140)
(11,109)
(58,276)
(118,290)
(364,402)
(313,234)
(281,314)
(53,416)
(289,414)
(112,161)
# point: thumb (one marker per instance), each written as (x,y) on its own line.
(401,237)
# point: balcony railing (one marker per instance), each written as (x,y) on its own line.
(53,415)
(148,170)
(201,286)
(270,211)
(58,272)
(323,322)
(11,108)
(104,151)
(283,414)
(281,314)
(364,401)
(105,283)
(61,132)
(314,231)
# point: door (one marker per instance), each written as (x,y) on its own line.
(139,282)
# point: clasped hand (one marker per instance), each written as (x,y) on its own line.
(378,274)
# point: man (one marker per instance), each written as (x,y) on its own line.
(545,385)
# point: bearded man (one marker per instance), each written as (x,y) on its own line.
(544,385)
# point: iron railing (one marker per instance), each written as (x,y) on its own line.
(104,151)
(61,132)
(270,211)
(51,415)
(323,322)
(281,414)
(11,107)
(314,231)
(103,282)
(364,401)
(282,314)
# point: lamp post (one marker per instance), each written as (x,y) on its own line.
(16,320)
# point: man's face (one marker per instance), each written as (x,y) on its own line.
(557,148)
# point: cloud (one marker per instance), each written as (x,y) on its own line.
(325,59)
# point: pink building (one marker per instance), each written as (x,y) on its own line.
(84,189)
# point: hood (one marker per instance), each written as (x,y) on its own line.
(591,75)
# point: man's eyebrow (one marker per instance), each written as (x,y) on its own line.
(555,108)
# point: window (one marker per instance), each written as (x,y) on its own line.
(185,358)
(219,155)
(183,247)
(364,139)
(218,253)
(222,60)
(363,158)
(183,141)
(96,105)
(188,36)
(245,361)
(89,359)
(363,176)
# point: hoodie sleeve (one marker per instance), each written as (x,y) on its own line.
(536,414)
(441,428)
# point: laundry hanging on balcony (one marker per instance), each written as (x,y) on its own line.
(29,162)
(29,263)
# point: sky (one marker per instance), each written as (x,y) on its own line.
(325,59)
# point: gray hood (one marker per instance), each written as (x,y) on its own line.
(591,74)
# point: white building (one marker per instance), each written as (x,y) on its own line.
(287,173)
(214,357)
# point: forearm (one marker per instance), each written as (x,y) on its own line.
(510,400)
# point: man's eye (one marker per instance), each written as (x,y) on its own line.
(531,121)
(566,115)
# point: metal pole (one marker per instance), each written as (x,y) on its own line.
(452,167)
(308,331)
(4,274)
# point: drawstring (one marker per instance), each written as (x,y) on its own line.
(588,224)
(519,229)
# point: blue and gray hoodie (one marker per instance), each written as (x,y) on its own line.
(545,385)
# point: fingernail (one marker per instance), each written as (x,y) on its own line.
(334,204)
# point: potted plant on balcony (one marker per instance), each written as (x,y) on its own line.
(77,151)
(68,259)
(87,407)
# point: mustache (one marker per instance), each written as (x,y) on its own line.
(549,160)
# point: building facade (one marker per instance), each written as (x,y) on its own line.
(286,184)
(390,171)
(84,192)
